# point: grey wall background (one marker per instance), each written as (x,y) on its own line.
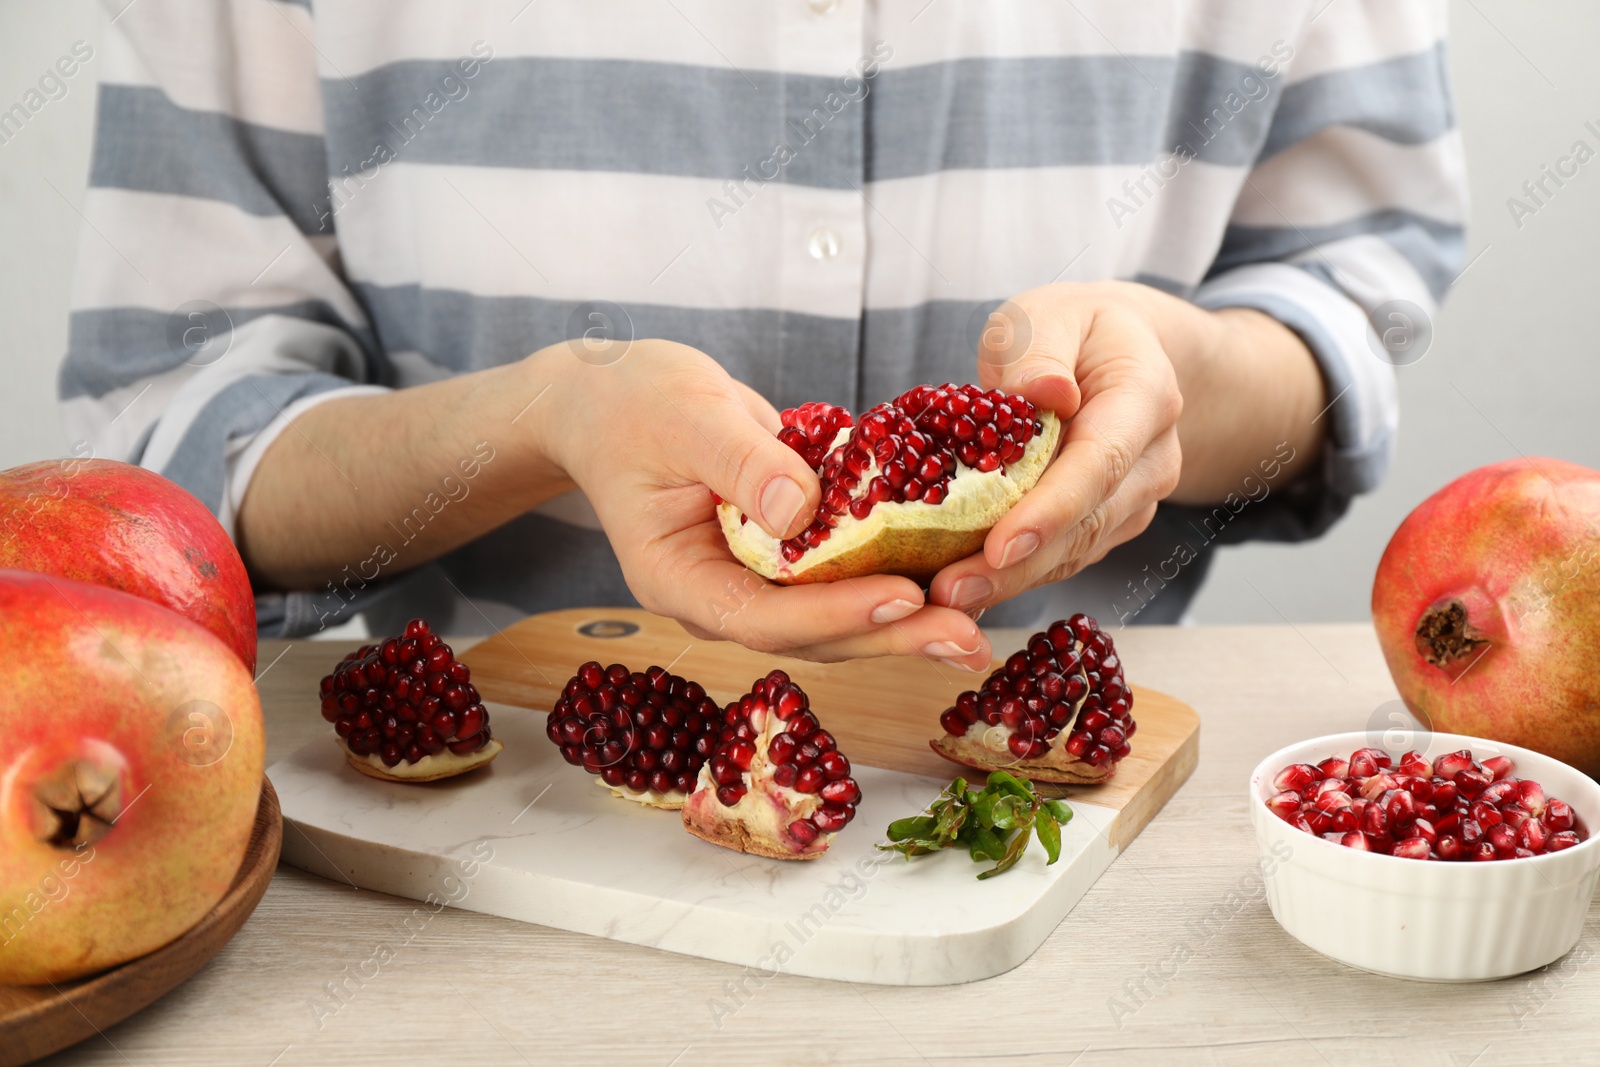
(1513,366)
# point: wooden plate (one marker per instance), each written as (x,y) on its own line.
(38,1020)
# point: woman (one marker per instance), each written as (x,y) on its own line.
(462,309)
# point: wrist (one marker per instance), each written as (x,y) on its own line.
(538,387)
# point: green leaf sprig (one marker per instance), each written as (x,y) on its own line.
(993,823)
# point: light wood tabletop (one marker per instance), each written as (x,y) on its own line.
(1172,958)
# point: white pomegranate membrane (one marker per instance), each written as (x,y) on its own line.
(1059,710)
(904,451)
(406,703)
(1453,809)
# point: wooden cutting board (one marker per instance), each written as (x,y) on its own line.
(883,711)
(532,838)
(38,1020)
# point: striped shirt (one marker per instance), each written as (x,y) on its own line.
(291,202)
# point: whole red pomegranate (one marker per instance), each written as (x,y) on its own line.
(129,775)
(1487,605)
(114,524)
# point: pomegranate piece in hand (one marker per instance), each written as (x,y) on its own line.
(1454,808)
(643,734)
(776,784)
(1058,711)
(911,488)
(406,711)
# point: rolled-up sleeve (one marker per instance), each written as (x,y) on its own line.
(1349,230)
(209,307)
(208,302)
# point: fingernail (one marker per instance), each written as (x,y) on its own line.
(893,611)
(958,665)
(1019,548)
(970,591)
(947,649)
(781,501)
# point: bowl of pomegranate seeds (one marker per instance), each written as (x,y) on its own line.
(1466,860)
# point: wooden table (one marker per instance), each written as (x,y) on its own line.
(467,989)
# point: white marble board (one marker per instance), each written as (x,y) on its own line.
(535,839)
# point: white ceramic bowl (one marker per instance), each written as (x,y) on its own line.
(1430,920)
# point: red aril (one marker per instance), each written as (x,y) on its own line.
(1508,819)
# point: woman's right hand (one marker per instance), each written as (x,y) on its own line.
(648,430)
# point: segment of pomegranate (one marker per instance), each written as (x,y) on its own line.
(405,710)
(1058,711)
(776,784)
(909,488)
(1446,810)
(643,734)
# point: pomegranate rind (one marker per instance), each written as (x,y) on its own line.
(911,539)
(731,833)
(428,769)
(1513,544)
(1057,766)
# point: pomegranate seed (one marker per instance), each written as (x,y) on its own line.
(1334,768)
(831,819)
(803,831)
(1412,848)
(1332,801)
(1374,786)
(1557,816)
(1498,766)
(1356,841)
(1481,813)
(1471,782)
(1295,776)
(1500,792)
(1413,763)
(1366,762)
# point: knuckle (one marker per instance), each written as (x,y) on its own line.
(1118,457)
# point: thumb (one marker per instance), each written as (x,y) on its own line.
(750,468)
(1031,355)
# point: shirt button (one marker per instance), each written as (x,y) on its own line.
(823,243)
(823,7)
